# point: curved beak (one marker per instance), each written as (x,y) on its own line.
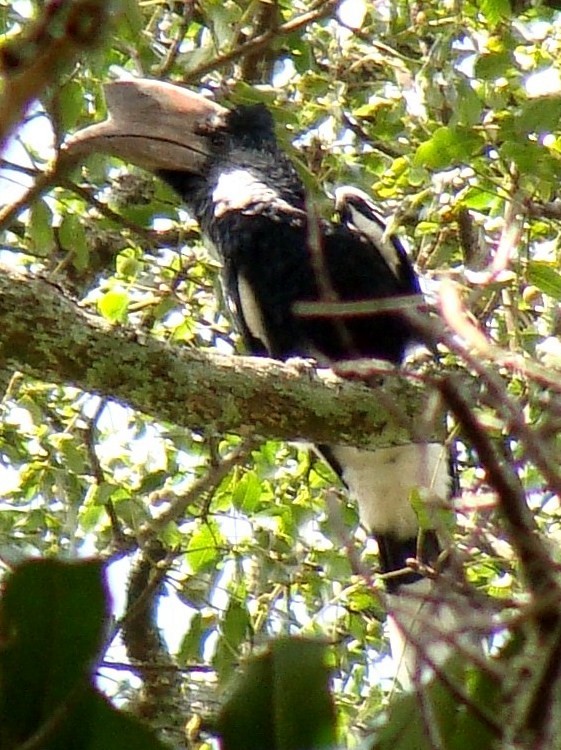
(152,124)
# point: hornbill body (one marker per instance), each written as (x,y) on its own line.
(250,203)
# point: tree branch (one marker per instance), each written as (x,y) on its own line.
(48,336)
(536,563)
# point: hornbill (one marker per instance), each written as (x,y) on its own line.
(250,203)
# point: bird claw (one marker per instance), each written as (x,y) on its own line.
(303,364)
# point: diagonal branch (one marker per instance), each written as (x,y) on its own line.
(323,9)
(536,563)
(37,57)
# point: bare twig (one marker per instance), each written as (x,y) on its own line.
(508,244)
(179,504)
(168,62)
(120,666)
(536,563)
(119,537)
(476,344)
(257,66)
(43,182)
(48,179)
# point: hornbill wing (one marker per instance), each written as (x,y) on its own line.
(250,204)
(359,213)
(382,483)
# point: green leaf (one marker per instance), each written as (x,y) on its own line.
(468,106)
(72,236)
(114,305)
(543,275)
(282,702)
(236,623)
(52,626)
(447,147)
(127,265)
(247,492)
(541,115)
(152,481)
(533,159)
(479,198)
(495,10)
(40,228)
(493,65)
(191,645)
(97,725)
(73,457)
(201,550)
(70,102)
(456,725)
(131,12)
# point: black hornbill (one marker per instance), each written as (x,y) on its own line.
(250,203)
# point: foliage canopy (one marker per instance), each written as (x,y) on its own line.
(448,115)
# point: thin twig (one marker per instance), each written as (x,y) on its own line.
(119,666)
(323,9)
(536,563)
(119,537)
(176,509)
(475,341)
(168,62)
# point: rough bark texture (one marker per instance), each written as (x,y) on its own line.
(48,336)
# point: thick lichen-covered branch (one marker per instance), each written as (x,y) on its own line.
(48,336)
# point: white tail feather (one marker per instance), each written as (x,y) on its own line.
(427,625)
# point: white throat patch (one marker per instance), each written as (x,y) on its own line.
(238,190)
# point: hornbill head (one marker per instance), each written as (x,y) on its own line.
(203,150)
(156,125)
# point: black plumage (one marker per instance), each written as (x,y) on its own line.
(265,236)
(229,171)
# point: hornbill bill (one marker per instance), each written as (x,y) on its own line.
(250,203)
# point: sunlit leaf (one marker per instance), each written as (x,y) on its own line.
(447,147)
(40,228)
(202,548)
(282,701)
(495,10)
(113,305)
(545,277)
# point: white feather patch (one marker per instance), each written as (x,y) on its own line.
(251,311)
(371,226)
(238,190)
(377,235)
(427,623)
(381,482)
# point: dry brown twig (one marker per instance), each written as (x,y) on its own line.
(472,347)
(35,59)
